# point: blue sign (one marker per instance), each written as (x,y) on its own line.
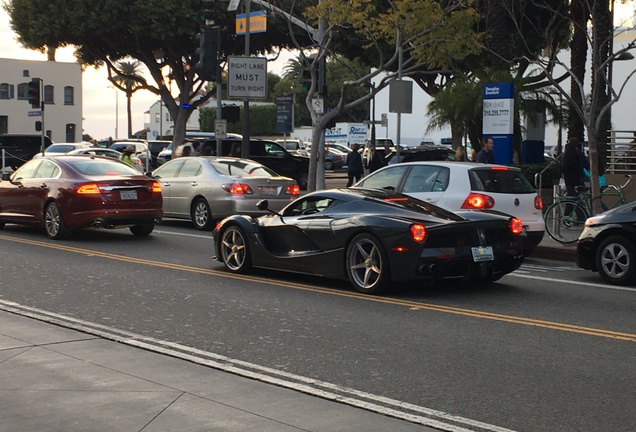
(284,114)
(35,113)
(498,119)
(499,91)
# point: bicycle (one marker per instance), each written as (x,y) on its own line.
(565,218)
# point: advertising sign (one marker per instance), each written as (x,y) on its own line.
(498,119)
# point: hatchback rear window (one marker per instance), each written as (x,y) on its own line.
(499,181)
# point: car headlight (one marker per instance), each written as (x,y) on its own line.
(594,220)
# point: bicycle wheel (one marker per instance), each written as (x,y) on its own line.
(565,220)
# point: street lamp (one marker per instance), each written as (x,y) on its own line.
(116,111)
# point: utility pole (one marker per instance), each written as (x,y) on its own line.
(245,151)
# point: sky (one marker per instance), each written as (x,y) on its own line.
(104,109)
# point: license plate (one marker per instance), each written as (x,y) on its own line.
(128,195)
(268,190)
(483,253)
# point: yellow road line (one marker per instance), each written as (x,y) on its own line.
(413,305)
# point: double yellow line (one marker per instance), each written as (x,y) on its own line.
(413,305)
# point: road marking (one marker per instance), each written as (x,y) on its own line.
(571,282)
(412,305)
(325,390)
(208,237)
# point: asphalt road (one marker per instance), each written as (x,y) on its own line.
(548,348)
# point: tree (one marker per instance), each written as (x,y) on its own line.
(128,82)
(159,34)
(591,108)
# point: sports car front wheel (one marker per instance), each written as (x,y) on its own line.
(235,251)
(367,264)
(616,260)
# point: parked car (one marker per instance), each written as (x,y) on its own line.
(156,147)
(70,192)
(107,152)
(459,186)
(421,153)
(373,238)
(141,150)
(206,189)
(19,148)
(334,159)
(62,148)
(607,245)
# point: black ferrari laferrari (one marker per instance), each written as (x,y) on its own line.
(372,238)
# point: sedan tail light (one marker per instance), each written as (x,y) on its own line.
(516,226)
(292,190)
(538,203)
(238,189)
(477,201)
(156,187)
(88,189)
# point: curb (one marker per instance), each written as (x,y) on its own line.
(554,253)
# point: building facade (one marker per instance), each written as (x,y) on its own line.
(61,93)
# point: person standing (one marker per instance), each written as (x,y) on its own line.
(373,161)
(574,165)
(195,148)
(485,155)
(354,165)
(126,156)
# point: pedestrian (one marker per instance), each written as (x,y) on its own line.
(209,151)
(354,165)
(373,161)
(195,149)
(236,150)
(126,156)
(460,153)
(187,150)
(485,155)
(574,165)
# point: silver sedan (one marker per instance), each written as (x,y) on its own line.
(206,189)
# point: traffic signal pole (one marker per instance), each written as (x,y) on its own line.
(245,151)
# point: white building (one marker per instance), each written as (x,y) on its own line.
(159,122)
(62,96)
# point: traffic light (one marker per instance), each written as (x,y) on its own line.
(307,66)
(322,76)
(33,93)
(231,113)
(208,48)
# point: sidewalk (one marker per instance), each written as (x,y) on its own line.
(54,378)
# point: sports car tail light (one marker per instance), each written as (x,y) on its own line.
(156,187)
(418,232)
(88,189)
(516,226)
(292,190)
(477,201)
(538,203)
(238,188)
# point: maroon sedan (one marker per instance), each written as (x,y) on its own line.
(67,193)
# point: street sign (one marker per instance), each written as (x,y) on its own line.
(37,113)
(258,23)
(247,77)
(318,105)
(284,114)
(233,5)
(220,129)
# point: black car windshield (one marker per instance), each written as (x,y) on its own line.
(101,167)
(241,168)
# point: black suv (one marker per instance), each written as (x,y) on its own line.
(271,154)
(422,153)
(155,147)
(20,148)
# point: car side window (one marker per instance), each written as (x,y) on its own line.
(421,178)
(274,149)
(168,170)
(387,179)
(47,170)
(191,168)
(26,171)
(309,206)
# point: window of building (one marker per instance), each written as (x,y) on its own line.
(69,98)
(48,94)
(5,91)
(23,91)
(157,118)
(168,117)
(4,124)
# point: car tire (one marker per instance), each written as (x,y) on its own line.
(1,225)
(616,260)
(234,250)
(142,230)
(367,264)
(201,215)
(54,222)
(329,166)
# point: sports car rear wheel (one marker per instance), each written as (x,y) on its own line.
(54,223)
(616,260)
(235,251)
(367,264)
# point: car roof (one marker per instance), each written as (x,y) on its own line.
(464,165)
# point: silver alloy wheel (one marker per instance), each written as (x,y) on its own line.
(365,263)
(201,214)
(53,220)
(234,250)
(615,260)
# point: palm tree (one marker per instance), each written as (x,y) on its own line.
(127,80)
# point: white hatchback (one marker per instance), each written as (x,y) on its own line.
(467,186)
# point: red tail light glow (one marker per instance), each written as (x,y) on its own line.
(238,189)
(477,201)
(88,189)
(499,168)
(156,187)
(516,226)
(418,232)
(538,203)
(292,190)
